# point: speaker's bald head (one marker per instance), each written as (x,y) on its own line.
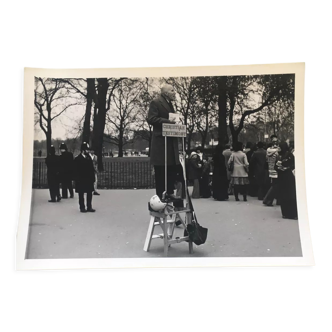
(168,90)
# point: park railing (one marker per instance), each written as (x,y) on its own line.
(119,173)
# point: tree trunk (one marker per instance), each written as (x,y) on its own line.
(101,118)
(150,140)
(222,112)
(48,136)
(204,134)
(120,144)
(87,119)
(189,141)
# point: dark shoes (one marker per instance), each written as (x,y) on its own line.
(52,201)
(88,210)
(58,199)
(244,198)
(97,194)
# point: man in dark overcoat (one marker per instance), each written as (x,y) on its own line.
(66,160)
(84,173)
(53,174)
(159,111)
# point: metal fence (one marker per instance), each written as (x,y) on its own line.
(126,173)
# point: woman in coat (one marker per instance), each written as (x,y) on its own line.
(194,172)
(239,165)
(220,181)
(287,189)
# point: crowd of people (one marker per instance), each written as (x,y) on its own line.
(265,171)
(63,169)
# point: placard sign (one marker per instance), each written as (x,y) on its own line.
(174,130)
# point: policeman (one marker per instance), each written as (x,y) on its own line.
(66,160)
(53,173)
(84,178)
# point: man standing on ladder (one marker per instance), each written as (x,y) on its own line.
(159,113)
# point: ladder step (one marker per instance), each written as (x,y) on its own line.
(163,215)
(179,239)
(159,236)
(156,223)
(176,212)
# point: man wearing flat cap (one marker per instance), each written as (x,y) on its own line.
(84,178)
(159,111)
(66,162)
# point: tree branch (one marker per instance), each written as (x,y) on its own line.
(74,87)
(55,116)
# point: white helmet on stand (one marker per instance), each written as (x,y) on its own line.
(156,204)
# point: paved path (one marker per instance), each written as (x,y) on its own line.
(118,228)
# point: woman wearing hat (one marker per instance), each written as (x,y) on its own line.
(84,178)
(52,163)
(194,173)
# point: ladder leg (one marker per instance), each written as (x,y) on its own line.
(149,234)
(171,227)
(165,236)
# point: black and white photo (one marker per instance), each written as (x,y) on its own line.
(99,144)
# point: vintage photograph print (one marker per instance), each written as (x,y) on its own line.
(203,164)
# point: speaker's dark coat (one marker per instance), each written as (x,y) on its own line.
(159,114)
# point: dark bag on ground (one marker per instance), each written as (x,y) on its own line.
(196,232)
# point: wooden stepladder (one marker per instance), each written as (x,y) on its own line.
(167,218)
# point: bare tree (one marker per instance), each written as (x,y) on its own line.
(148,93)
(239,97)
(85,88)
(207,98)
(51,100)
(123,113)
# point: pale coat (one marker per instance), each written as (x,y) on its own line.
(240,164)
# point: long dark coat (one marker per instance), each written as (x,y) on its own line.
(194,171)
(287,186)
(67,166)
(257,167)
(220,179)
(53,169)
(84,174)
(159,114)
